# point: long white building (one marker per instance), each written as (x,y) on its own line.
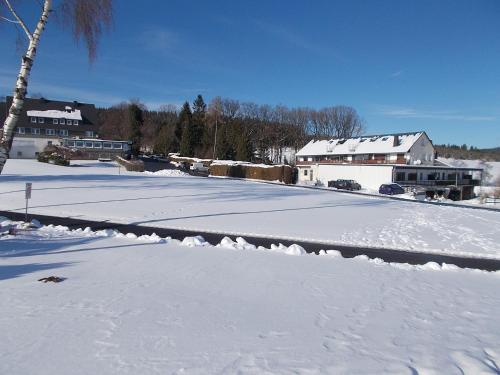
(404,158)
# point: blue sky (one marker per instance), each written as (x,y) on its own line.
(404,65)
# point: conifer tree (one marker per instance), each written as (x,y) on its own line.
(225,150)
(199,112)
(186,124)
(244,150)
(136,120)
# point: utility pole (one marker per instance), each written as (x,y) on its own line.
(215,140)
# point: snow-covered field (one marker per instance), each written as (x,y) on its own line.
(153,306)
(96,191)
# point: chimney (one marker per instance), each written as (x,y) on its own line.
(396,141)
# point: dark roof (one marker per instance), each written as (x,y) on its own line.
(88,111)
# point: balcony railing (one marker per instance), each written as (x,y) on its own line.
(459,182)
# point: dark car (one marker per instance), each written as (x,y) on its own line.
(391,189)
(344,184)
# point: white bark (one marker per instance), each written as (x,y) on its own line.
(21,87)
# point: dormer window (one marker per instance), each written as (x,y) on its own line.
(62,121)
(69,122)
(33,119)
(75,122)
(41,120)
(55,121)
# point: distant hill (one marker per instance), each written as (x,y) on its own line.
(468,153)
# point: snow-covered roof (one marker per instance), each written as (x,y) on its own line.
(69,115)
(376,144)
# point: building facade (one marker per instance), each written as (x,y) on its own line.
(405,158)
(46,122)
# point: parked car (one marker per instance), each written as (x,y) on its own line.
(199,167)
(391,189)
(344,184)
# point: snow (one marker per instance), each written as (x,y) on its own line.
(168,173)
(244,163)
(494,166)
(360,145)
(73,115)
(131,306)
(96,191)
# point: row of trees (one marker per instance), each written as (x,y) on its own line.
(467,152)
(227,128)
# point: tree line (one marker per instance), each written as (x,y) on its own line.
(226,128)
(467,152)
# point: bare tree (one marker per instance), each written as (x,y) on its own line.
(85,18)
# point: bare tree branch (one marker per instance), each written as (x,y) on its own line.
(87,19)
(8,20)
(19,20)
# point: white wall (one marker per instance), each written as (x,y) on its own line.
(422,150)
(369,176)
(29,146)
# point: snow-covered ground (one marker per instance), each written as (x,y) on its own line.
(153,306)
(96,191)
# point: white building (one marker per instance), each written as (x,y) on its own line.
(405,158)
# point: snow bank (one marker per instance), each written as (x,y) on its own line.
(168,173)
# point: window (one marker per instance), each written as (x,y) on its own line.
(75,122)
(55,121)
(305,172)
(70,143)
(412,177)
(33,119)
(117,146)
(97,145)
(89,144)
(89,133)
(35,130)
(69,122)
(106,144)
(62,121)
(21,130)
(19,154)
(63,132)
(50,132)
(49,143)
(79,143)
(400,176)
(41,120)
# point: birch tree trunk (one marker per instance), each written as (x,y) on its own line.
(21,88)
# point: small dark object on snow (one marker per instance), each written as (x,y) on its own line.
(54,279)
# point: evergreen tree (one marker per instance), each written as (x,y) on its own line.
(225,150)
(135,120)
(199,112)
(244,150)
(186,124)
